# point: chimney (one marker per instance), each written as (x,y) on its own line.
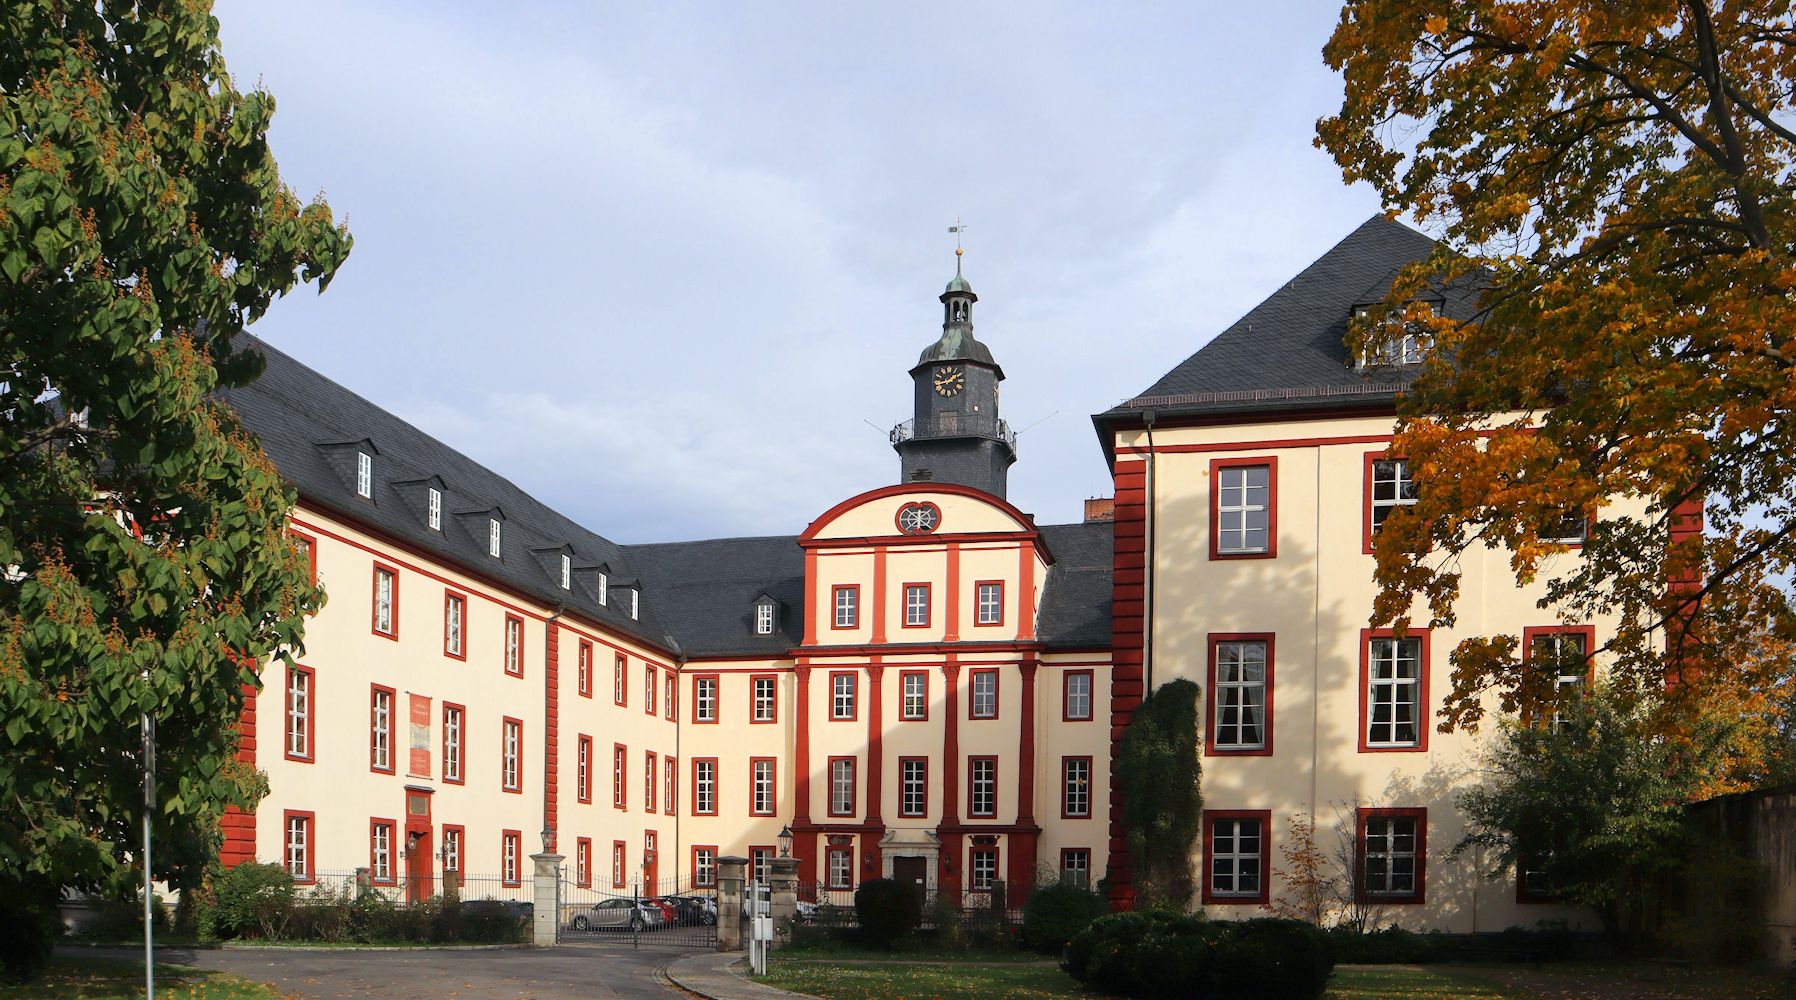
(1100,509)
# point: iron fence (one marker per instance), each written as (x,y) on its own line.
(671,911)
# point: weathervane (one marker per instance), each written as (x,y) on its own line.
(958,228)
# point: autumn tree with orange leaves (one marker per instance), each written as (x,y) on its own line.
(1618,177)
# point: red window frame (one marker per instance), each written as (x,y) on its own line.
(1091,784)
(516,837)
(461,845)
(374,600)
(461,748)
(1066,852)
(1424,713)
(505,637)
(620,776)
(374,693)
(311,752)
(971,812)
(854,785)
(392,829)
(854,695)
(829,869)
(979,585)
(902,812)
(448,596)
(651,780)
(1210,817)
(505,723)
(1271,463)
(773,786)
(1091,698)
(1212,704)
(698,881)
(760,858)
(928,605)
(974,850)
(620,679)
(855,618)
(311,556)
(670,787)
(311,821)
(651,685)
(1420,895)
(716,698)
(754,701)
(583,669)
(620,862)
(716,786)
(902,674)
(583,768)
(671,691)
(583,862)
(973,676)
(1366,533)
(1532,632)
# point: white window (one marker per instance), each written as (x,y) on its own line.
(451,850)
(1394,693)
(381,852)
(635,602)
(985,868)
(1243,509)
(493,537)
(648,689)
(704,698)
(604,586)
(364,474)
(1075,866)
(452,617)
(299,837)
(1078,694)
(648,782)
(1075,780)
(913,786)
(763,788)
(510,862)
(433,509)
(984,685)
(1564,653)
(983,782)
(619,679)
(841,868)
(916,695)
(585,674)
(1393,486)
(451,744)
(583,778)
(766,694)
(1407,347)
(841,787)
(384,586)
(764,618)
(847,598)
(380,735)
(670,701)
(567,571)
(619,795)
(583,863)
(916,604)
(760,864)
(991,604)
(671,786)
(704,787)
(514,641)
(704,866)
(841,696)
(510,766)
(1240,695)
(1391,856)
(1236,852)
(617,863)
(299,713)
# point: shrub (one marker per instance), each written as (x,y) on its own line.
(888,910)
(486,921)
(122,919)
(28,933)
(1054,913)
(1141,954)
(253,899)
(1387,946)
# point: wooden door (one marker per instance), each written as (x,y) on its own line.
(420,870)
(912,872)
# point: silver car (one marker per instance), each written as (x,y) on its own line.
(618,912)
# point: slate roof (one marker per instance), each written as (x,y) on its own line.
(1288,352)
(299,415)
(697,597)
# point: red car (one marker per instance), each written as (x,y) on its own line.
(669,912)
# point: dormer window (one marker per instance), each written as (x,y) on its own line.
(364,474)
(433,510)
(567,571)
(604,585)
(492,537)
(635,601)
(1395,348)
(766,611)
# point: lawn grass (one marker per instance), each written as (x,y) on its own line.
(82,978)
(1411,982)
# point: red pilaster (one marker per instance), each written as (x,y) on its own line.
(1128,621)
(1683,580)
(948,879)
(879,595)
(804,837)
(552,724)
(1025,593)
(875,740)
(239,827)
(1023,843)
(951,609)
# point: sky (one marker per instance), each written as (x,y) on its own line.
(666,266)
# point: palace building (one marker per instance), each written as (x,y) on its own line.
(922,683)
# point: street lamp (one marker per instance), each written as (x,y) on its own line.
(785,841)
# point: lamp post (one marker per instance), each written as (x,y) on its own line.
(785,839)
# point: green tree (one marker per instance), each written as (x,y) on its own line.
(1158,773)
(144,564)
(1617,176)
(1593,802)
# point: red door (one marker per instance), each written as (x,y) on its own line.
(650,869)
(420,872)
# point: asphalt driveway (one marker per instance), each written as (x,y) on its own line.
(571,972)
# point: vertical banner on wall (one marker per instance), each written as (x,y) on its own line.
(420,762)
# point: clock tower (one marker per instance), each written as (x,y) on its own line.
(956,436)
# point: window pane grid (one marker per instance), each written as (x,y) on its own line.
(704,698)
(1240,695)
(1078,696)
(1390,852)
(1235,856)
(1392,487)
(916,605)
(984,787)
(1394,693)
(914,787)
(841,696)
(916,696)
(1243,509)
(764,699)
(991,603)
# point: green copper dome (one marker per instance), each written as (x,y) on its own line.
(959,284)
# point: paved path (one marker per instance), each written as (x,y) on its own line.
(716,976)
(570,972)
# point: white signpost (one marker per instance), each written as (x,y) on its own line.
(760,926)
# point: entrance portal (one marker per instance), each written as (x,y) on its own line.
(913,874)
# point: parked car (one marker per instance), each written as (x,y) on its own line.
(618,912)
(522,912)
(692,911)
(670,914)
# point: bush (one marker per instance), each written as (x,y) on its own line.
(888,911)
(1054,913)
(486,921)
(122,920)
(1388,946)
(1142,954)
(253,899)
(28,933)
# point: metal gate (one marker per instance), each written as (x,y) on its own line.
(676,912)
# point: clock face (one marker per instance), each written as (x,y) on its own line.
(949,380)
(919,518)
